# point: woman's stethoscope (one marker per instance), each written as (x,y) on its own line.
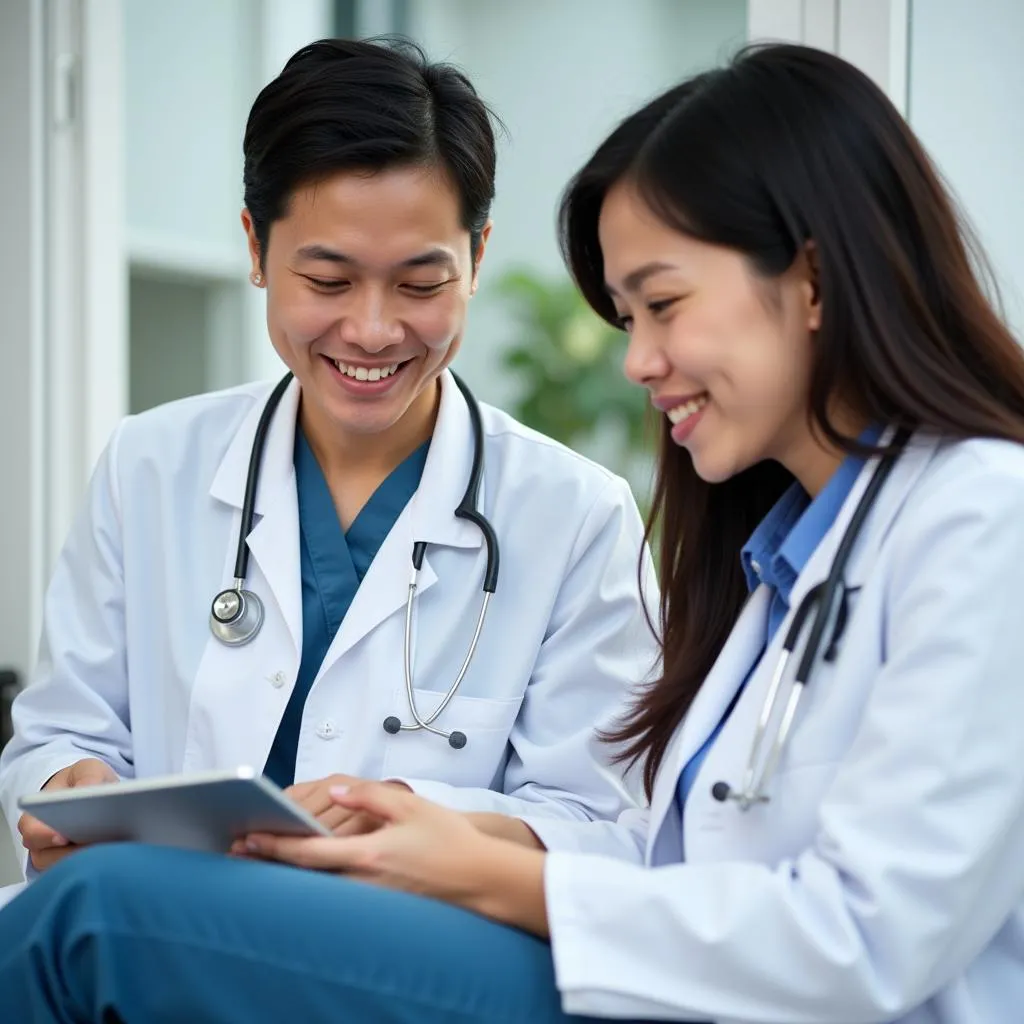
(827,601)
(236,614)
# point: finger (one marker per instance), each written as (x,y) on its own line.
(381,799)
(358,825)
(335,816)
(316,854)
(35,835)
(91,772)
(43,860)
(315,797)
(299,790)
(318,801)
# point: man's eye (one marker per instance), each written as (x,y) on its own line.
(326,284)
(424,289)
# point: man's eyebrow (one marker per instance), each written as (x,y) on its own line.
(436,257)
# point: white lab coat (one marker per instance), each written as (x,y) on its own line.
(884,880)
(129,672)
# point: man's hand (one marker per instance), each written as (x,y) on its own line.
(46,847)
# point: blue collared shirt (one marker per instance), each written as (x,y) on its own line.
(334,563)
(776,554)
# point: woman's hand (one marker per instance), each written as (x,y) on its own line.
(315,797)
(424,849)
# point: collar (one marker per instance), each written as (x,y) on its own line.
(441,488)
(783,542)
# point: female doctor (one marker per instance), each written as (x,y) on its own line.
(842,475)
(368,179)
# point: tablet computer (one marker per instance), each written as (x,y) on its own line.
(205,811)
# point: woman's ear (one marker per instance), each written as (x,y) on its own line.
(813,281)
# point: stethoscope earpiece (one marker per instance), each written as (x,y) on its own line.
(720,791)
(393,726)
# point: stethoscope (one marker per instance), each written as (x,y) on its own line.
(236,614)
(827,602)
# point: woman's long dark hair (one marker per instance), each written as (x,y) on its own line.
(784,147)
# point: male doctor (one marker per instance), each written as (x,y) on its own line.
(366,221)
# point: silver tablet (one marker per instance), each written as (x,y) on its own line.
(205,811)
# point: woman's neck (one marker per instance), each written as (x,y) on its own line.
(814,460)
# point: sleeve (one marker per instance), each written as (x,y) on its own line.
(622,839)
(918,860)
(598,648)
(76,703)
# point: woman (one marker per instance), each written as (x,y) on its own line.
(369,175)
(801,306)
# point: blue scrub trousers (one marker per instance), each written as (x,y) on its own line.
(128,933)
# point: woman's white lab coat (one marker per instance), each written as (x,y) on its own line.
(884,879)
(129,672)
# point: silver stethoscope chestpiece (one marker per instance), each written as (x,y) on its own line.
(236,616)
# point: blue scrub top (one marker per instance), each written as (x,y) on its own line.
(775,555)
(333,565)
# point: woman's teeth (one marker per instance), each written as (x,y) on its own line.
(369,373)
(687,409)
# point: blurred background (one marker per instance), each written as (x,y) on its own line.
(123,271)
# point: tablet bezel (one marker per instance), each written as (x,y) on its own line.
(68,811)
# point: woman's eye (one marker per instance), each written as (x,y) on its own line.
(623,322)
(661,305)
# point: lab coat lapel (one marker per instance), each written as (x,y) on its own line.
(274,540)
(904,475)
(745,641)
(428,517)
(727,674)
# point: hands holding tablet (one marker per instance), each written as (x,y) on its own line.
(315,797)
(46,847)
(493,867)
(205,811)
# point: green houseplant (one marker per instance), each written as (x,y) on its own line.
(568,364)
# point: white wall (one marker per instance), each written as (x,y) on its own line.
(22,54)
(869,33)
(559,75)
(190,69)
(966,102)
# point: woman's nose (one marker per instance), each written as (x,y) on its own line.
(644,363)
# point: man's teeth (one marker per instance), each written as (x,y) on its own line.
(687,409)
(366,373)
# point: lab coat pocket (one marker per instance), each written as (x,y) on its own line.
(420,754)
(768,833)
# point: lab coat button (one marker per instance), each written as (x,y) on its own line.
(277,680)
(327,730)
